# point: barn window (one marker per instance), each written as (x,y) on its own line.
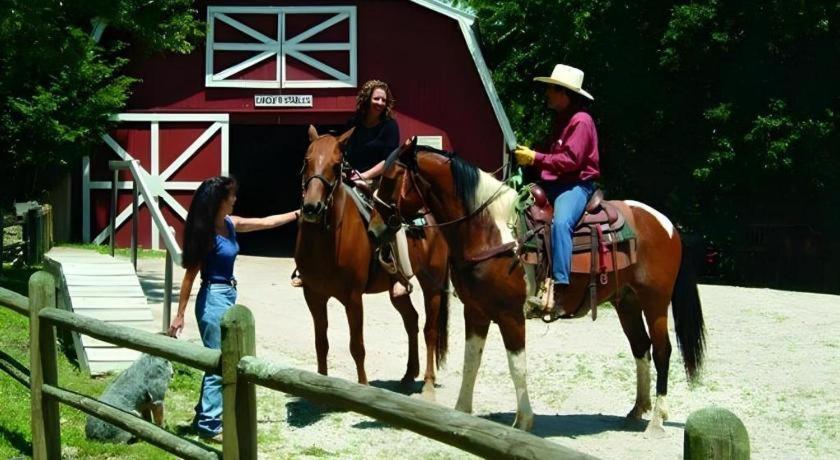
(281,47)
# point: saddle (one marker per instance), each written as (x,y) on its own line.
(602,243)
(393,257)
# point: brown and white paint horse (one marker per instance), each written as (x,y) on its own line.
(335,258)
(494,290)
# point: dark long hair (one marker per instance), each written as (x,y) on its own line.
(199,230)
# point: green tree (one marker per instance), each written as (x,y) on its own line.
(721,114)
(59,84)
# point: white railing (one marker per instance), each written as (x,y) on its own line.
(173,250)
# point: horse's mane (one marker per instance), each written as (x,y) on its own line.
(474,187)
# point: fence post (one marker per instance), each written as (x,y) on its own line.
(239,400)
(714,432)
(46,431)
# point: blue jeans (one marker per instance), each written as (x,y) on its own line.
(569,203)
(211,304)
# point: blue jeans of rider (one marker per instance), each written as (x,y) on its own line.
(211,304)
(569,203)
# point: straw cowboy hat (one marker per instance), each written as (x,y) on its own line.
(567,77)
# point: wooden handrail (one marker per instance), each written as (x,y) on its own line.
(187,353)
(16,302)
(472,434)
(146,431)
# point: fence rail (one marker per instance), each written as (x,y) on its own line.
(241,371)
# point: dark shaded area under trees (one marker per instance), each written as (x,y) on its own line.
(723,115)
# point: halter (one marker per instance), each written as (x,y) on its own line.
(395,219)
(330,186)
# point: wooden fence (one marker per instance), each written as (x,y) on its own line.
(241,371)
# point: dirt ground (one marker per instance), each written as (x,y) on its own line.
(773,358)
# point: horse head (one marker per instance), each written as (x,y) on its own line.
(398,195)
(321,173)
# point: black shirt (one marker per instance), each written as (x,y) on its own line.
(369,146)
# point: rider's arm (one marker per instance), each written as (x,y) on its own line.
(250,224)
(569,155)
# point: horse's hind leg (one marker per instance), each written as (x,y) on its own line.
(355,319)
(656,315)
(630,316)
(318,308)
(476,335)
(409,317)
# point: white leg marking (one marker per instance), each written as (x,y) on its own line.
(642,388)
(660,414)
(473,348)
(518,365)
(663,221)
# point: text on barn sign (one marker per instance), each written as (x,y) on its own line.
(278,100)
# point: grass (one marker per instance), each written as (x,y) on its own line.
(15,431)
(123,252)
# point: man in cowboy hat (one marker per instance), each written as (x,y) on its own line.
(568,169)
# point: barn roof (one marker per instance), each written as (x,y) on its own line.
(465,21)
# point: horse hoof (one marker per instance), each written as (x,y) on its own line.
(524,423)
(655,430)
(407,381)
(428,392)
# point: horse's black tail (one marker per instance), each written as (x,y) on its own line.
(688,316)
(442,347)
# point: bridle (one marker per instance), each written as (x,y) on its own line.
(331,186)
(394,219)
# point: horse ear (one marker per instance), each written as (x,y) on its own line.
(313,133)
(342,140)
(408,155)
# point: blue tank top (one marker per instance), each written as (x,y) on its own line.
(218,264)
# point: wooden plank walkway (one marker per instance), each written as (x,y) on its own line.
(105,288)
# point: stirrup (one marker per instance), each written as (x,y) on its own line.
(553,315)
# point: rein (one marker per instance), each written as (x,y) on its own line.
(415,176)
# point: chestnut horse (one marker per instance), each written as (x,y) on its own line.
(335,258)
(475,212)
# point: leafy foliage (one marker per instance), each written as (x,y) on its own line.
(58,85)
(721,114)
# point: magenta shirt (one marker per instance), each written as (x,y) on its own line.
(573,157)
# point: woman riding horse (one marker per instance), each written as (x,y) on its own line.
(336,259)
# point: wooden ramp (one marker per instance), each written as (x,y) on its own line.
(105,288)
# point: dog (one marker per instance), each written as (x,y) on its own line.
(139,389)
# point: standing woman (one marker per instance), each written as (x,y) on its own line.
(568,169)
(210,248)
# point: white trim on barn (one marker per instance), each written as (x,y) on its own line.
(157,181)
(280,47)
(465,22)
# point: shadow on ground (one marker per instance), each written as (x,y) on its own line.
(302,412)
(574,425)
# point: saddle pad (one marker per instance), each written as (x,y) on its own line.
(626,256)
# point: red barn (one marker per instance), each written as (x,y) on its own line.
(240,104)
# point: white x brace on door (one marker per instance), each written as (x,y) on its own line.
(159,182)
(262,45)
